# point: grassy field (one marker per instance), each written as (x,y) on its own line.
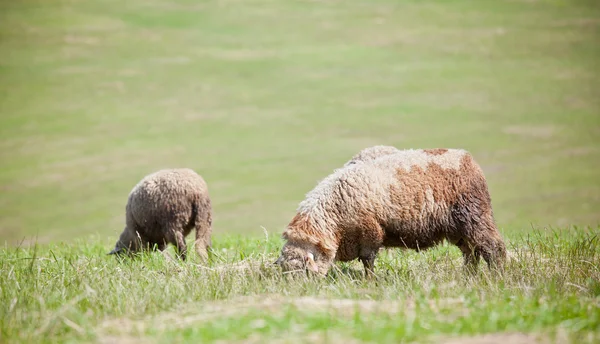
(264,98)
(549,293)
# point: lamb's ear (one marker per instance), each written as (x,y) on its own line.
(310,263)
(278,261)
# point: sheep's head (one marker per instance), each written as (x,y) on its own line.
(128,243)
(302,258)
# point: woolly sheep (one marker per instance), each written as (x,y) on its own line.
(371,153)
(412,198)
(163,208)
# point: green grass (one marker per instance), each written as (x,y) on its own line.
(264,98)
(550,289)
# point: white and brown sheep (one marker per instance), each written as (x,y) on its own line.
(163,208)
(412,198)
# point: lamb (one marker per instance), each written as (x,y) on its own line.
(413,199)
(371,153)
(163,208)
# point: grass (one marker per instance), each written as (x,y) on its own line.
(550,290)
(263,98)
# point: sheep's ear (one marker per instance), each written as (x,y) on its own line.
(278,261)
(310,262)
(114,251)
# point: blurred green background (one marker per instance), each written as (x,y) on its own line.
(264,98)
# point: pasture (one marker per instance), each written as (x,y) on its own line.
(263,99)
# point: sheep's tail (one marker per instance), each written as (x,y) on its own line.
(202,215)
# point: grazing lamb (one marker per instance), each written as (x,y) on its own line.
(413,199)
(163,208)
(371,153)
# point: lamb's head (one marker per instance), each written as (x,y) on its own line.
(297,257)
(128,243)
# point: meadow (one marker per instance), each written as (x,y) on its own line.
(264,98)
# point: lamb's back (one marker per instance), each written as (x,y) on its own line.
(166,195)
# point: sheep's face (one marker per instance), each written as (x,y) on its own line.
(127,243)
(298,258)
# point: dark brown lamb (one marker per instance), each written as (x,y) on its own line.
(163,208)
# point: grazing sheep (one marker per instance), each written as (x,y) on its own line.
(371,153)
(163,208)
(413,199)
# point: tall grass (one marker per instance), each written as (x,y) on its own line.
(551,286)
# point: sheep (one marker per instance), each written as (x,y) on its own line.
(163,208)
(371,153)
(413,199)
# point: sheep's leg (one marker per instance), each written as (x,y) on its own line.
(493,251)
(368,261)
(372,240)
(180,244)
(485,241)
(473,216)
(470,254)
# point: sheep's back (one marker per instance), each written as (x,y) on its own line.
(425,179)
(371,153)
(429,188)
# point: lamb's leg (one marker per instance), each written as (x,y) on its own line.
(181,245)
(203,225)
(135,241)
(160,246)
(142,243)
